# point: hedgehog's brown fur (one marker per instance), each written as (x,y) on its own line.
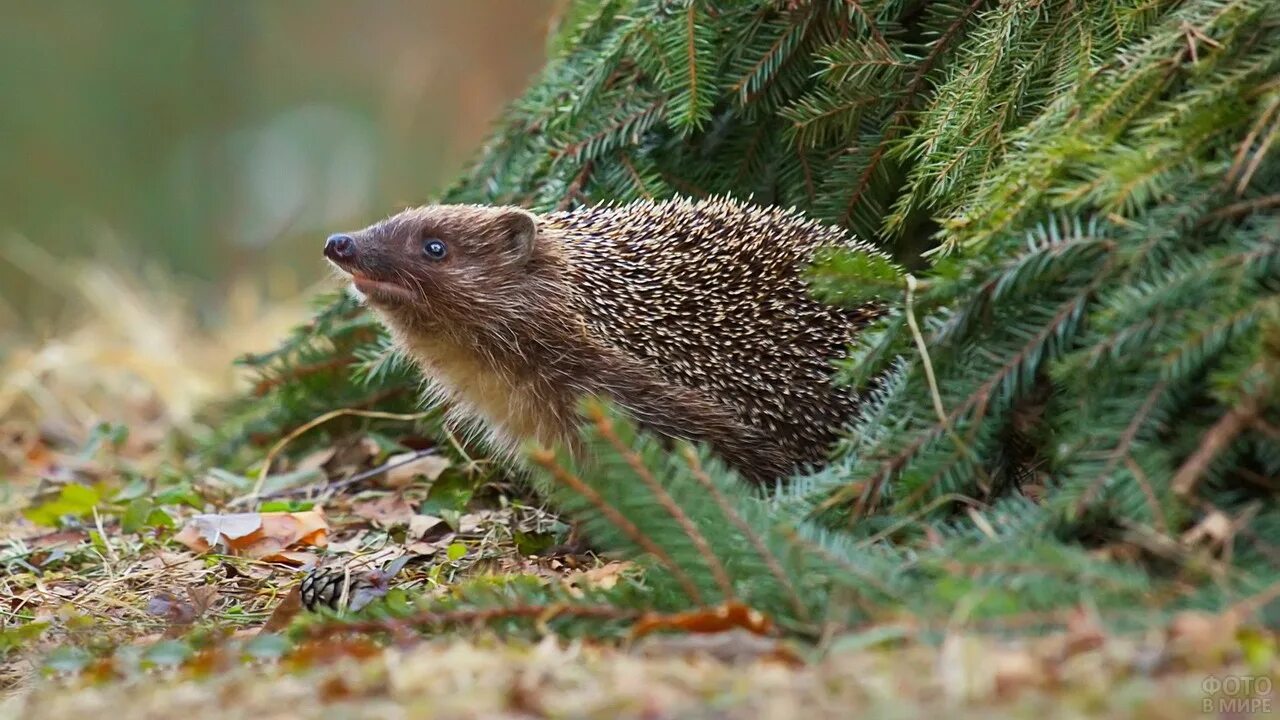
(692,316)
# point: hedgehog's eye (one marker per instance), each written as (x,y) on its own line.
(435,248)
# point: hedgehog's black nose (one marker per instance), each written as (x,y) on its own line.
(339,247)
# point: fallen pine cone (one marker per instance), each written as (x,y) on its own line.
(342,589)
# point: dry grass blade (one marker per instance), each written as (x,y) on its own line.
(283,442)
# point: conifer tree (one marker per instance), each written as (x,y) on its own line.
(1082,368)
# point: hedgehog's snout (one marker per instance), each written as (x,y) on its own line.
(340,248)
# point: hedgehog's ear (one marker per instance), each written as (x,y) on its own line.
(521,229)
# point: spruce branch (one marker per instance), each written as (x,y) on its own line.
(868,21)
(755,78)
(974,406)
(1222,434)
(630,167)
(1121,452)
(688,44)
(1240,209)
(792,535)
(1148,492)
(266,384)
(757,542)
(626,129)
(573,193)
(595,412)
(898,120)
(1251,150)
(546,459)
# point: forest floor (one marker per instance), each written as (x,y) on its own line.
(111,603)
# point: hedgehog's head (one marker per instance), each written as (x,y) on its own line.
(438,264)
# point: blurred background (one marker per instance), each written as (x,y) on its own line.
(216,140)
(168,170)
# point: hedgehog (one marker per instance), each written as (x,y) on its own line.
(692,317)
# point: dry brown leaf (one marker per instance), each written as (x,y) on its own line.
(202,597)
(284,613)
(735,646)
(1084,632)
(1216,528)
(349,545)
(728,616)
(603,577)
(471,523)
(386,512)
(1017,669)
(173,563)
(373,583)
(420,525)
(263,536)
(316,460)
(61,538)
(173,609)
(298,558)
(1203,637)
(352,457)
(402,473)
(422,547)
(179,613)
(283,530)
(23,448)
(204,531)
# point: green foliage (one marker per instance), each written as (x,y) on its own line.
(73,500)
(855,278)
(706,540)
(1099,305)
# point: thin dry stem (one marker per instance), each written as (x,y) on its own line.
(299,431)
(1215,440)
